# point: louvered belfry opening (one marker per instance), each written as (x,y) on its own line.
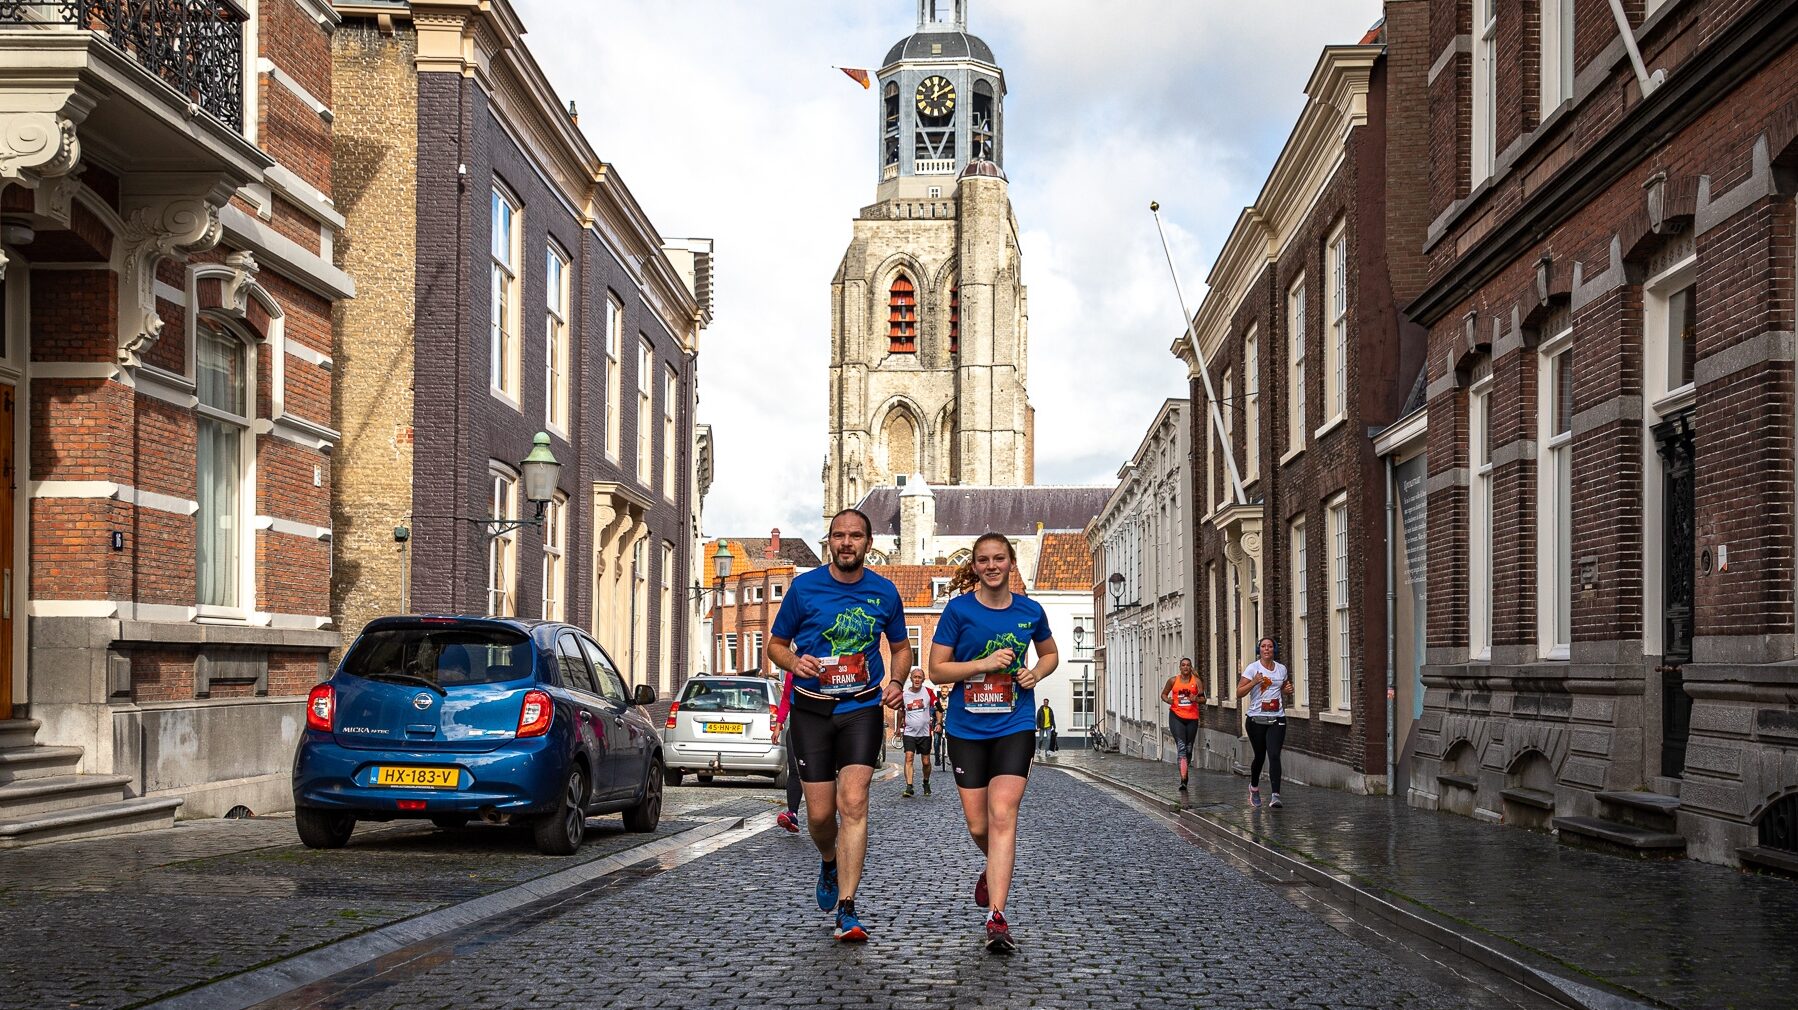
(902,317)
(955,319)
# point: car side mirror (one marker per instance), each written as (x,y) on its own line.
(643,696)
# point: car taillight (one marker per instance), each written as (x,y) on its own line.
(321,704)
(673,710)
(533,718)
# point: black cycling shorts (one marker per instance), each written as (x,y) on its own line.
(826,744)
(977,762)
(917,744)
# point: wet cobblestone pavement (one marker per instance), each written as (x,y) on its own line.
(114,922)
(1113,908)
(1690,935)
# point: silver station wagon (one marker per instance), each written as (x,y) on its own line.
(725,726)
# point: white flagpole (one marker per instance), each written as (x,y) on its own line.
(1217,419)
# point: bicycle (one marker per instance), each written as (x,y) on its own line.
(1100,741)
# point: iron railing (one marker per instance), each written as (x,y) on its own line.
(195,46)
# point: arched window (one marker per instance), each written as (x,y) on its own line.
(985,124)
(224,367)
(902,317)
(900,438)
(891,133)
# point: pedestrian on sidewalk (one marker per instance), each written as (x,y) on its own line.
(1183,694)
(789,818)
(918,717)
(827,635)
(1266,683)
(1045,729)
(980,646)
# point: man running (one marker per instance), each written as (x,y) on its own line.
(917,718)
(827,635)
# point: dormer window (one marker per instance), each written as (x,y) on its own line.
(902,317)
(939,588)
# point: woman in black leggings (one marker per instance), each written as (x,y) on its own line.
(1265,685)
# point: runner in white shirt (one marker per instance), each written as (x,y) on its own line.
(1265,684)
(917,717)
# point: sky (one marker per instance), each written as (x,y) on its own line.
(726,121)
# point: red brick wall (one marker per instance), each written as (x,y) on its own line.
(162,675)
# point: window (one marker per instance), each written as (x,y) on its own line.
(223,459)
(1682,327)
(753,661)
(1295,365)
(1554,490)
(1336,346)
(730,654)
(1227,443)
(504,352)
(1340,673)
(669,581)
(614,409)
(502,550)
(730,597)
(915,635)
(1083,705)
(555,410)
(1251,404)
(555,545)
(1670,324)
(1298,654)
(780,590)
(576,674)
(670,402)
(640,609)
(1557,53)
(902,316)
(1485,91)
(755,593)
(611,685)
(1479,519)
(646,363)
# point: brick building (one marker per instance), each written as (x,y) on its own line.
(167,216)
(1307,351)
(1610,421)
(744,602)
(514,286)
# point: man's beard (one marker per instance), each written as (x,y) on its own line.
(854,565)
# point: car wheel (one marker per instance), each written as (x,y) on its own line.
(673,776)
(450,822)
(704,777)
(644,817)
(560,833)
(323,829)
(780,777)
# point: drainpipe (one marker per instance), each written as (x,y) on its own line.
(1391,624)
(1647,81)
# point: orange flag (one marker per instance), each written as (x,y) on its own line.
(858,76)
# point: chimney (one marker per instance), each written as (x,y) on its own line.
(772,551)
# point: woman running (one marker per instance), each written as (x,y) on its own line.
(980,646)
(1183,694)
(1265,683)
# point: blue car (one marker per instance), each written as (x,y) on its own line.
(453,718)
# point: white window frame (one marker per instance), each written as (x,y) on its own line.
(243,509)
(555,558)
(1251,404)
(505,355)
(915,635)
(1212,600)
(780,590)
(1484,118)
(1296,429)
(1556,28)
(1227,398)
(755,657)
(1554,472)
(614,372)
(1336,343)
(555,338)
(669,580)
(502,550)
(730,596)
(1298,653)
(646,361)
(1479,515)
(1673,269)
(1341,657)
(730,654)
(670,410)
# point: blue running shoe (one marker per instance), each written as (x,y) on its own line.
(827,886)
(849,928)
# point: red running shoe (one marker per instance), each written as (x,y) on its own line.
(788,820)
(980,895)
(998,934)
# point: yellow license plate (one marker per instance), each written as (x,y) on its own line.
(724,727)
(420,778)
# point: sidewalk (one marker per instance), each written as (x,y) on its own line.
(1680,933)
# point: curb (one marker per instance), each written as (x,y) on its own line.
(1362,902)
(284,976)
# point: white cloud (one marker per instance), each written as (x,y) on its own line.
(726,121)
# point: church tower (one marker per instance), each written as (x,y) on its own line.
(929,344)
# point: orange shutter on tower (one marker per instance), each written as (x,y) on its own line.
(902,317)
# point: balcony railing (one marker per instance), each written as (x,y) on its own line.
(934,166)
(195,46)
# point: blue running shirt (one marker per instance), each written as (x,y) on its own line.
(823,617)
(984,708)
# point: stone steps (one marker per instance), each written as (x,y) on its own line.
(50,793)
(18,733)
(18,763)
(141,814)
(1619,839)
(1760,857)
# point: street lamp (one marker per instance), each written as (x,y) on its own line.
(1087,679)
(1117,589)
(541,474)
(721,565)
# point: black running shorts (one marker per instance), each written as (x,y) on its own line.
(826,744)
(918,745)
(977,762)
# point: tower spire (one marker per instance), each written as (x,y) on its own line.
(943,15)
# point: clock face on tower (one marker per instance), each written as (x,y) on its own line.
(936,96)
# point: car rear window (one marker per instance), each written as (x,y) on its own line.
(446,657)
(725,696)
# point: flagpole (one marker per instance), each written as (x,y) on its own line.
(1192,337)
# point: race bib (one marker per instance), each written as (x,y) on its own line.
(1271,704)
(992,694)
(1183,698)
(843,674)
